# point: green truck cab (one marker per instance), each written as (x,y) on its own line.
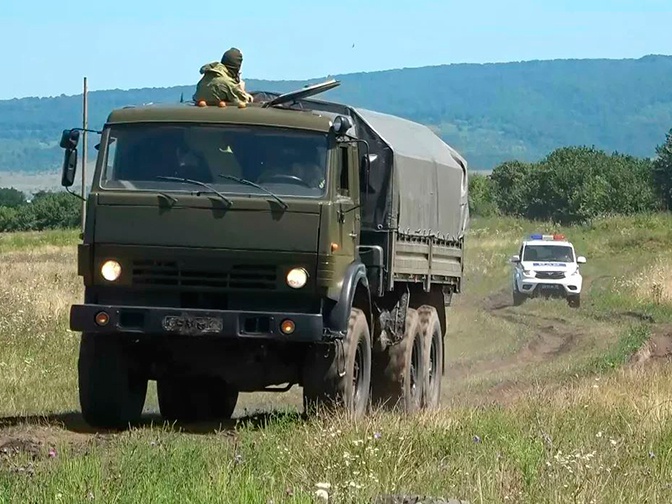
(289,242)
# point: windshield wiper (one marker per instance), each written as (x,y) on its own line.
(197,182)
(254,184)
(173,199)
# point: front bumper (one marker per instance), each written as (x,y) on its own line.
(535,287)
(166,321)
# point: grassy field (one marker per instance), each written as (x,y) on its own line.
(542,403)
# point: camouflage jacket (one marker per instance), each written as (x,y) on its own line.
(217,85)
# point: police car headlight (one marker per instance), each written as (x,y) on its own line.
(528,273)
(111,270)
(297,278)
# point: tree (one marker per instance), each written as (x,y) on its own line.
(51,210)
(481,195)
(576,184)
(11,198)
(573,186)
(514,185)
(662,171)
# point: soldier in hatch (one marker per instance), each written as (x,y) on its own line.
(221,81)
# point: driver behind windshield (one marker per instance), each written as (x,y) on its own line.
(548,253)
(309,172)
(295,163)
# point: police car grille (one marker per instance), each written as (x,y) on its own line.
(550,275)
(173,274)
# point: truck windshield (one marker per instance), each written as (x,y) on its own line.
(285,162)
(553,253)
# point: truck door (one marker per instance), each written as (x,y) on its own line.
(347,197)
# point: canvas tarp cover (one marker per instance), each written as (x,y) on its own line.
(415,172)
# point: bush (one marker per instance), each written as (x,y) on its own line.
(481,196)
(514,184)
(11,198)
(575,185)
(49,210)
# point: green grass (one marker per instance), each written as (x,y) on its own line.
(540,403)
(22,241)
(630,341)
(534,452)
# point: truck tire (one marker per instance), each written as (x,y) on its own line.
(195,399)
(399,370)
(112,389)
(324,385)
(432,340)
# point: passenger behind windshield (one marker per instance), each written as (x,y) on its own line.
(285,162)
(551,253)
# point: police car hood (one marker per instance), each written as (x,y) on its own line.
(548,266)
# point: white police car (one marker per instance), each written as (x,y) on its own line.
(548,266)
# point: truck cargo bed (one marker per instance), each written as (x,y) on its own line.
(427,260)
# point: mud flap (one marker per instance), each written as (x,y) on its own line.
(338,316)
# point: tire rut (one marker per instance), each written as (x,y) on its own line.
(553,336)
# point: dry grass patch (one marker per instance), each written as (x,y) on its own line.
(653,283)
(38,352)
(43,279)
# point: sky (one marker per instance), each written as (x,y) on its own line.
(125,44)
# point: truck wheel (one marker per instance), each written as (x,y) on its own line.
(195,399)
(112,389)
(400,368)
(323,384)
(432,339)
(574,301)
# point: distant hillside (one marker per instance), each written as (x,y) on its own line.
(491,113)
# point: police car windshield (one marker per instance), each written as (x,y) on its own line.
(154,156)
(550,253)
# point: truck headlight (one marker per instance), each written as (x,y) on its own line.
(297,278)
(111,270)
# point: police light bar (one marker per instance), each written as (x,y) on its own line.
(548,237)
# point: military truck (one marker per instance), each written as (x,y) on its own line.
(292,241)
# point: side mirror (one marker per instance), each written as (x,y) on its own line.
(581,260)
(515,259)
(69,139)
(364,171)
(69,167)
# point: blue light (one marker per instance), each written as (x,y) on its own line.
(536,237)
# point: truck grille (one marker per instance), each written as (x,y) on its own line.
(174,274)
(550,275)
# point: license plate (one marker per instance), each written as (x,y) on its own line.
(185,324)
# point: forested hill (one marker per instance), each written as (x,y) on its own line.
(490,113)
